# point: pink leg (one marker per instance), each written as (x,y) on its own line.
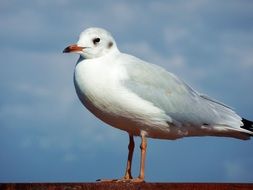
(143,158)
(128,174)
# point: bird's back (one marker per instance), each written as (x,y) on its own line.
(187,108)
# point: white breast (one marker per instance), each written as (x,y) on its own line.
(98,85)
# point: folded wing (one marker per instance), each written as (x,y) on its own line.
(179,101)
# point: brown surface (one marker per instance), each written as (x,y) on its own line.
(124,186)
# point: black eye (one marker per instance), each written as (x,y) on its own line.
(96,40)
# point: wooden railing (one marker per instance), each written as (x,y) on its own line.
(125,186)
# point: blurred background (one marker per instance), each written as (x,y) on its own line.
(46,135)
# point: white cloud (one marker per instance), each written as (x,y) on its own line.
(174,35)
(175,7)
(148,53)
(45,142)
(122,10)
(26,143)
(15,111)
(30,89)
(242,56)
(237,171)
(70,157)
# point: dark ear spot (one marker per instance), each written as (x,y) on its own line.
(110,44)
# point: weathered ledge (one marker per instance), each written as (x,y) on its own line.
(125,186)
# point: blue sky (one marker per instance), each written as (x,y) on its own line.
(46,135)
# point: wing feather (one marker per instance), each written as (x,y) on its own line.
(176,98)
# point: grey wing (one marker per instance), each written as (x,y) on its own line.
(177,99)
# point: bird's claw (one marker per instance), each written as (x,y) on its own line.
(133,180)
(122,180)
(106,180)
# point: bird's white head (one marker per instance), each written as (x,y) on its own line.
(93,43)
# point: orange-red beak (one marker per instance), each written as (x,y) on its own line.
(73,48)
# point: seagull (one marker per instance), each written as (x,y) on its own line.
(144,99)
